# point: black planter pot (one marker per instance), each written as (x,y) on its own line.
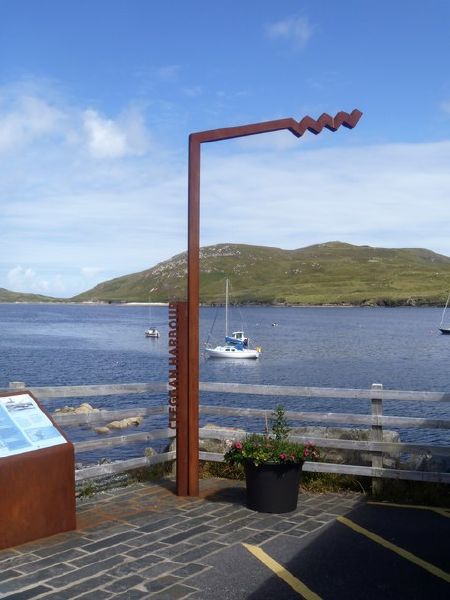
(272,488)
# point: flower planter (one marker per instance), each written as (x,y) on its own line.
(272,487)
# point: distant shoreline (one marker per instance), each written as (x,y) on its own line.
(252,304)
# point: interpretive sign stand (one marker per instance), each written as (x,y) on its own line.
(37,472)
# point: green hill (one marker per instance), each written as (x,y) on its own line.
(7,296)
(330,273)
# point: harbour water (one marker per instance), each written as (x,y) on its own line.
(70,344)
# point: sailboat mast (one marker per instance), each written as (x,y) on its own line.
(226,308)
(443,313)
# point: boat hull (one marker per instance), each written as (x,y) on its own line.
(231,352)
(445,330)
(152,333)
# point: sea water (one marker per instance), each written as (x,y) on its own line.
(338,347)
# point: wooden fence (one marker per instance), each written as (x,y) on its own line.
(374,421)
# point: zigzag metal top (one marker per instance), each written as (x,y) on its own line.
(298,128)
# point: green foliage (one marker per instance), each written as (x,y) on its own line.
(87,490)
(280,427)
(270,448)
(262,449)
(330,273)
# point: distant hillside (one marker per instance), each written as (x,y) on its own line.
(330,273)
(7,296)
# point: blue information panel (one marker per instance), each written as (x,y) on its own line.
(24,427)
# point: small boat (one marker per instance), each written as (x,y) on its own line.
(232,352)
(152,332)
(445,329)
(236,344)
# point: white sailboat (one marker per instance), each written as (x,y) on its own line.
(151,332)
(443,327)
(236,344)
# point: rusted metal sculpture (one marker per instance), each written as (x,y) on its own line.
(189,427)
(37,486)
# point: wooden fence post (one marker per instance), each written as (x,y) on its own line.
(17,385)
(376,434)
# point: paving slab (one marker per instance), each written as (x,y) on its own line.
(143,541)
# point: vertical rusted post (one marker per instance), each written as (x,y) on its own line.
(182,463)
(193,312)
(178,391)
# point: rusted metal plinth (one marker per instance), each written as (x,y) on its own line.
(37,495)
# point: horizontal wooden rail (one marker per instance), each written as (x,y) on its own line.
(122,466)
(345,418)
(429,476)
(121,440)
(316,392)
(49,392)
(80,391)
(338,444)
(373,422)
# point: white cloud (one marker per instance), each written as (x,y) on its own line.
(71,221)
(391,195)
(25,279)
(28,120)
(114,139)
(297,30)
(104,137)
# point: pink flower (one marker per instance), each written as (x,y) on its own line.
(238,445)
(283,456)
(306,452)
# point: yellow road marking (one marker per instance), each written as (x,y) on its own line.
(444,512)
(403,553)
(279,570)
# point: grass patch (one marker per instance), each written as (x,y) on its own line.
(87,490)
(152,472)
(392,490)
(422,493)
(210,469)
(321,483)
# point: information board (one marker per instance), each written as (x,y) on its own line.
(24,426)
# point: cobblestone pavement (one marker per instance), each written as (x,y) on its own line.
(145,542)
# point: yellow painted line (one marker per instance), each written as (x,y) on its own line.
(400,551)
(279,570)
(444,512)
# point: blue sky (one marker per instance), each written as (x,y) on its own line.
(98,97)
